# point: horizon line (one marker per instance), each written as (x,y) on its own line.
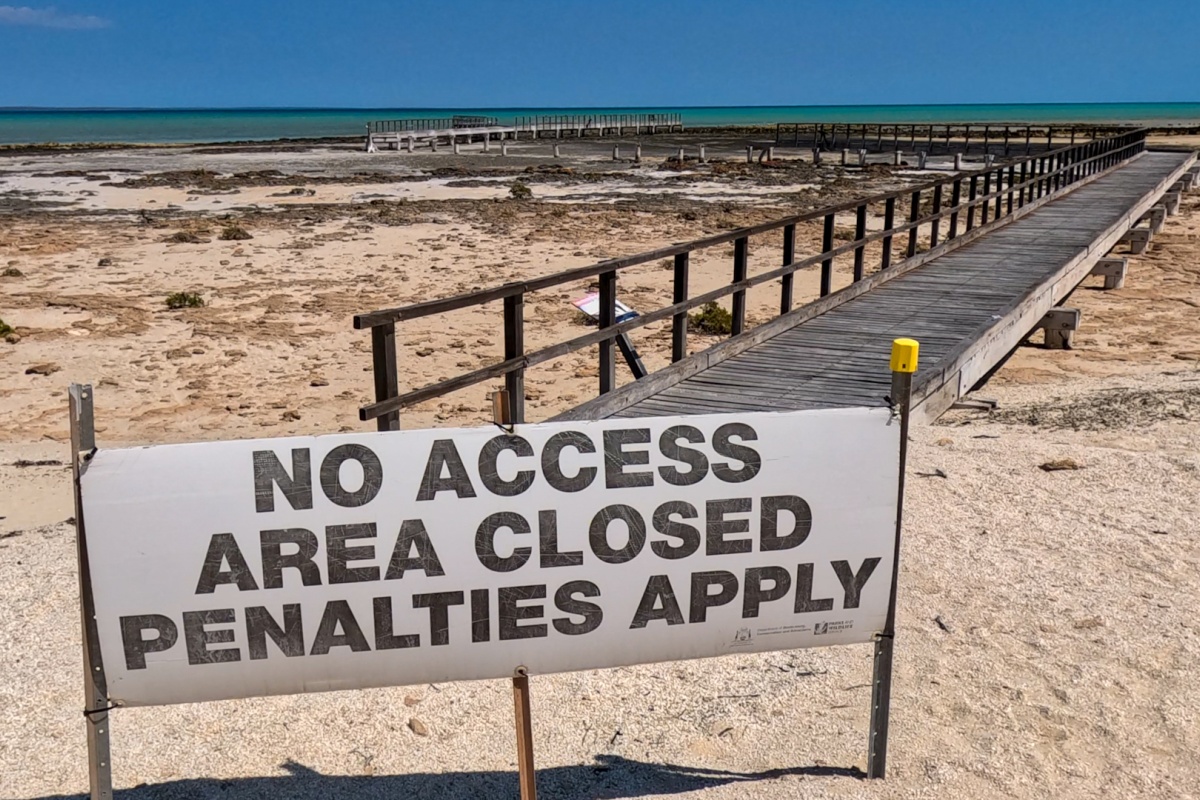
(582,107)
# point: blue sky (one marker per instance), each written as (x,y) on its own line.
(464,53)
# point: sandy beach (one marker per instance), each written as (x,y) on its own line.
(1046,646)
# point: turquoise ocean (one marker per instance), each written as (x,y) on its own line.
(30,126)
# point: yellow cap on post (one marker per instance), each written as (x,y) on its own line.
(904,355)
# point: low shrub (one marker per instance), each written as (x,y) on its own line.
(5,328)
(520,191)
(177,300)
(712,319)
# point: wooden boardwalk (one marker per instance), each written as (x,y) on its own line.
(968,308)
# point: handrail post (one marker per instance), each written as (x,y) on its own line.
(935,229)
(999,192)
(914,213)
(1012,176)
(514,347)
(786,283)
(387,379)
(608,318)
(971,193)
(1022,190)
(679,322)
(889,221)
(860,230)
(986,205)
(741,248)
(827,264)
(955,199)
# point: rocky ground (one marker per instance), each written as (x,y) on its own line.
(1046,645)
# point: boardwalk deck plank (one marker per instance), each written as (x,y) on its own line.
(951,305)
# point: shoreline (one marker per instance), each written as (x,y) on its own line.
(1191,128)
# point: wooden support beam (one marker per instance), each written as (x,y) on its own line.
(1113,270)
(1155,218)
(1171,201)
(1060,325)
(1138,240)
(975,404)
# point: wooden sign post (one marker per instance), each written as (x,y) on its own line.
(507,410)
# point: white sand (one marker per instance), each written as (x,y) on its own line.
(1068,670)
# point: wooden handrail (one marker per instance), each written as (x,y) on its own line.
(481,296)
(1044,175)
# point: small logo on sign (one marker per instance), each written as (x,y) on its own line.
(821,627)
(743,635)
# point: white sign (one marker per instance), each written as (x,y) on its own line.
(275,566)
(589,304)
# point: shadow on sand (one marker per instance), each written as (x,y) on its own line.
(609,777)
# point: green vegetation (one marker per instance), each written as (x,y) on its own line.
(5,328)
(185,237)
(177,300)
(711,319)
(520,191)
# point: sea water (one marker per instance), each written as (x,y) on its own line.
(28,126)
